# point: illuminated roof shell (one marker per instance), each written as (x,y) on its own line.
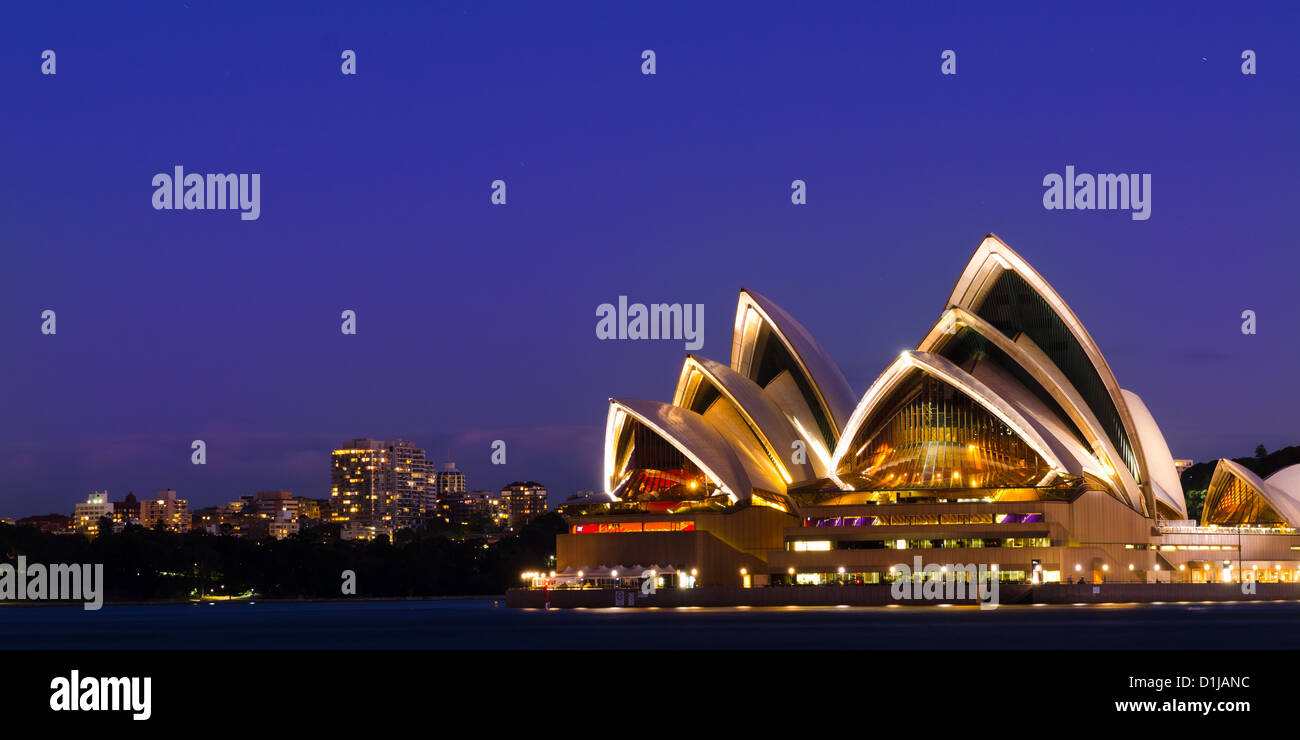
(1283,497)
(834,395)
(1165,482)
(689,433)
(993,258)
(1040,367)
(771,426)
(912,362)
(782,387)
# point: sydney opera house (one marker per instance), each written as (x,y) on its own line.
(1003,438)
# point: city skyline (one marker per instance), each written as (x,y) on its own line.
(375,197)
(281,513)
(435,492)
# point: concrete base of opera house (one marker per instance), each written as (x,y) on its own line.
(881,595)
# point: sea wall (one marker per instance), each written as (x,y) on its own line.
(882,595)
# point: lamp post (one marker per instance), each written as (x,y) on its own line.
(1238,554)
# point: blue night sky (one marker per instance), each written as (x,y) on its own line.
(477,322)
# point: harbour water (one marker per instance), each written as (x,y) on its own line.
(474,624)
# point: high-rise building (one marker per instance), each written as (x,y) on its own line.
(358,481)
(523,501)
(450,480)
(86,515)
(464,508)
(451,488)
(173,512)
(381,483)
(412,485)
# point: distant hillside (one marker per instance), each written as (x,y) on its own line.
(1196,479)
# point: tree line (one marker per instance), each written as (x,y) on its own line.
(153,564)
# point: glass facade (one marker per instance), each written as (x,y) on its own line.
(930,435)
(970,348)
(1013,307)
(653,469)
(913,519)
(916,544)
(625,527)
(1237,502)
(833,578)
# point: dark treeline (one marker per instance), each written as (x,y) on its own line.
(143,564)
